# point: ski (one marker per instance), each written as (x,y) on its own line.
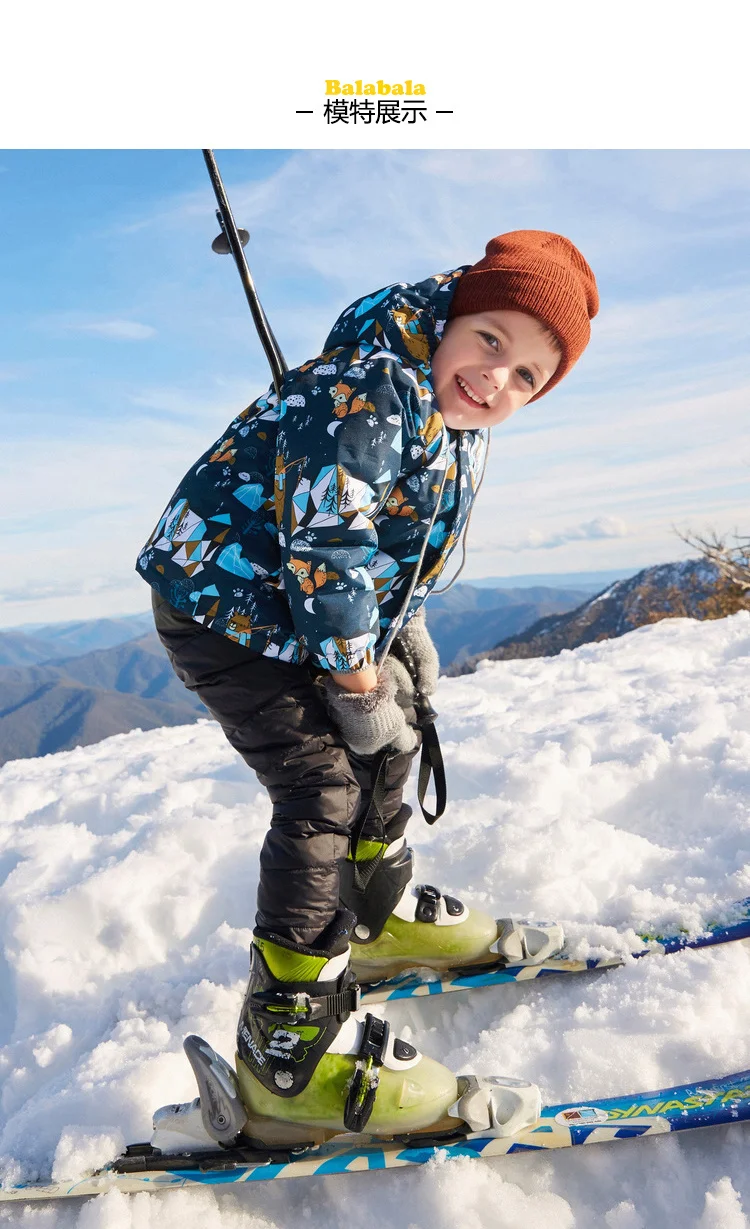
(710,1103)
(418,983)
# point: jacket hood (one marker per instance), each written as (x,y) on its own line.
(407,319)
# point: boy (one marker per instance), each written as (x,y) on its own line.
(299,545)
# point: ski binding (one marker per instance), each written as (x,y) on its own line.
(496,1106)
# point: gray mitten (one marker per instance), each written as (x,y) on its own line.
(420,653)
(372,720)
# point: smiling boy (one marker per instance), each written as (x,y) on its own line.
(292,555)
(490,364)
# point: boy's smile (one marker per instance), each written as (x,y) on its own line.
(488,365)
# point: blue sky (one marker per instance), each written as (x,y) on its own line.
(126,344)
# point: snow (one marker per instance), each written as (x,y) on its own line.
(608,787)
(601,597)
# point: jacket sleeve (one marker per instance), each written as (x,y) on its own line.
(339,455)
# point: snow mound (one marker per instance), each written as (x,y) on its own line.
(608,787)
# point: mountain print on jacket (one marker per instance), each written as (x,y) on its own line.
(297,532)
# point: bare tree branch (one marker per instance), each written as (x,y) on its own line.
(732,562)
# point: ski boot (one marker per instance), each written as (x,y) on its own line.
(400,928)
(214,1131)
(310,1067)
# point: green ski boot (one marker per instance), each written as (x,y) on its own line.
(309,1068)
(401,927)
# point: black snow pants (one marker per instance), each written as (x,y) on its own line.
(273,712)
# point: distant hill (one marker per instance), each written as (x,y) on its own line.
(692,589)
(55,695)
(38,642)
(78,701)
(468,619)
(589,582)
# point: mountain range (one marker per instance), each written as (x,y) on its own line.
(80,700)
(41,642)
(468,619)
(72,684)
(692,588)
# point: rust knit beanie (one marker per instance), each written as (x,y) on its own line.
(542,274)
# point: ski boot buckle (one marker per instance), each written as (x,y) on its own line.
(364,1085)
(297,1007)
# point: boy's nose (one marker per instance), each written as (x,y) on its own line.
(498,378)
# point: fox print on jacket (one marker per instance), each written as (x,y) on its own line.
(298,530)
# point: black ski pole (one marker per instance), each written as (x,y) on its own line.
(233,240)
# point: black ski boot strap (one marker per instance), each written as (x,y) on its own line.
(299,1007)
(364,1082)
(286,1027)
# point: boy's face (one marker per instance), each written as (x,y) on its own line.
(488,365)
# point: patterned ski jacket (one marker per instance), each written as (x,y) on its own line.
(297,532)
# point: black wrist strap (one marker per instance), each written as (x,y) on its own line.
(378,770)
(431,764)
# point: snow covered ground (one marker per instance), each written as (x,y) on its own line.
(608,787)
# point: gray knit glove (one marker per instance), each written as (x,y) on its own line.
(371,720)
(420,654)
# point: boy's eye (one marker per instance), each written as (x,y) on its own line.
(524,372)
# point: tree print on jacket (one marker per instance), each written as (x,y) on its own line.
(297,531)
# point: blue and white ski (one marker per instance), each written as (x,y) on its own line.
(710,1103)
(414,984)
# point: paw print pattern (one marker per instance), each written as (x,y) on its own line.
(328,507)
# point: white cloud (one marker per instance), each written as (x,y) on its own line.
(326,228)
(85,586)
(462,166)
(110,328)
(675,181)
(116,330)
(722,312)
(600,527)
(651,427)
(650,463)
(207,411)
